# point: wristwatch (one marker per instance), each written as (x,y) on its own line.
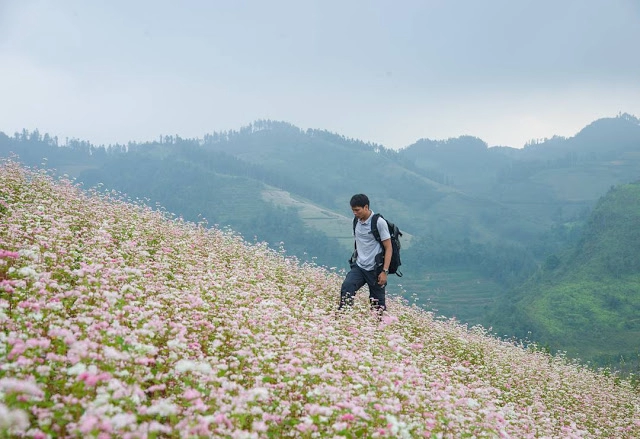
(386,271)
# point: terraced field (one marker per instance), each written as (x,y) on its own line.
(460,294)
(334,225)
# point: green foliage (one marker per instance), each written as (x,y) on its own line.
(586,301)
(503,263)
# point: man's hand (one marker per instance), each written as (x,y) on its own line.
(382,278)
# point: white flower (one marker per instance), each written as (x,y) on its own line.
(54,305)
(339,426)
(176,344)
(122,420)
(155,426)
(111,297)
(188,365)
(136,399)
(315,371)
(37,316)
(259,393)
(14,385)
(77,369)
(185,366)
(145,349)
(164,407)
(28,272)
(101,399)
(134,271)
(3,318)
(393,422)
(203,367)
(259,426)
(128,288)
(144,332)
(114,354)
(31,253)
(15,420)
(398,428)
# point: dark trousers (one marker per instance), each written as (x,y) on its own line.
(356,278)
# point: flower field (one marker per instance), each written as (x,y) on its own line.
(120,321)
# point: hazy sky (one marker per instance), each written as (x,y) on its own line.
(389,72)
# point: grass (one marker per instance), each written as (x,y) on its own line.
(587,316)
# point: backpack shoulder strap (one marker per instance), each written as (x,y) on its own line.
(355,221)
(374,226)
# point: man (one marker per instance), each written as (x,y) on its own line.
(369,267)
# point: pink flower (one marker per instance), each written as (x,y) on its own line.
(104,376)
(6,254)
(221,418)
(259,426)
(388,319)
(304,427)
(18,349)
(191,394)
(93,379)
(156,388)
(88,423)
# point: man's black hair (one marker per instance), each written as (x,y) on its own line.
(359,200)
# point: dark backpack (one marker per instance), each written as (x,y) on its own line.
(395,233)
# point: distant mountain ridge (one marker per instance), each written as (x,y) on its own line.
(486,194)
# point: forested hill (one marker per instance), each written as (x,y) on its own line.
(586,300)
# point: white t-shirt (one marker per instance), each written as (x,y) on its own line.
(366,243)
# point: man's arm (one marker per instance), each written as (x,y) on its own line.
(382,277)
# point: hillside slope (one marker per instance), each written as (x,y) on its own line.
(587,300)
(121,322)
(483,218)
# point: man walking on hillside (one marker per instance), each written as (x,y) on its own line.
(368,266)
